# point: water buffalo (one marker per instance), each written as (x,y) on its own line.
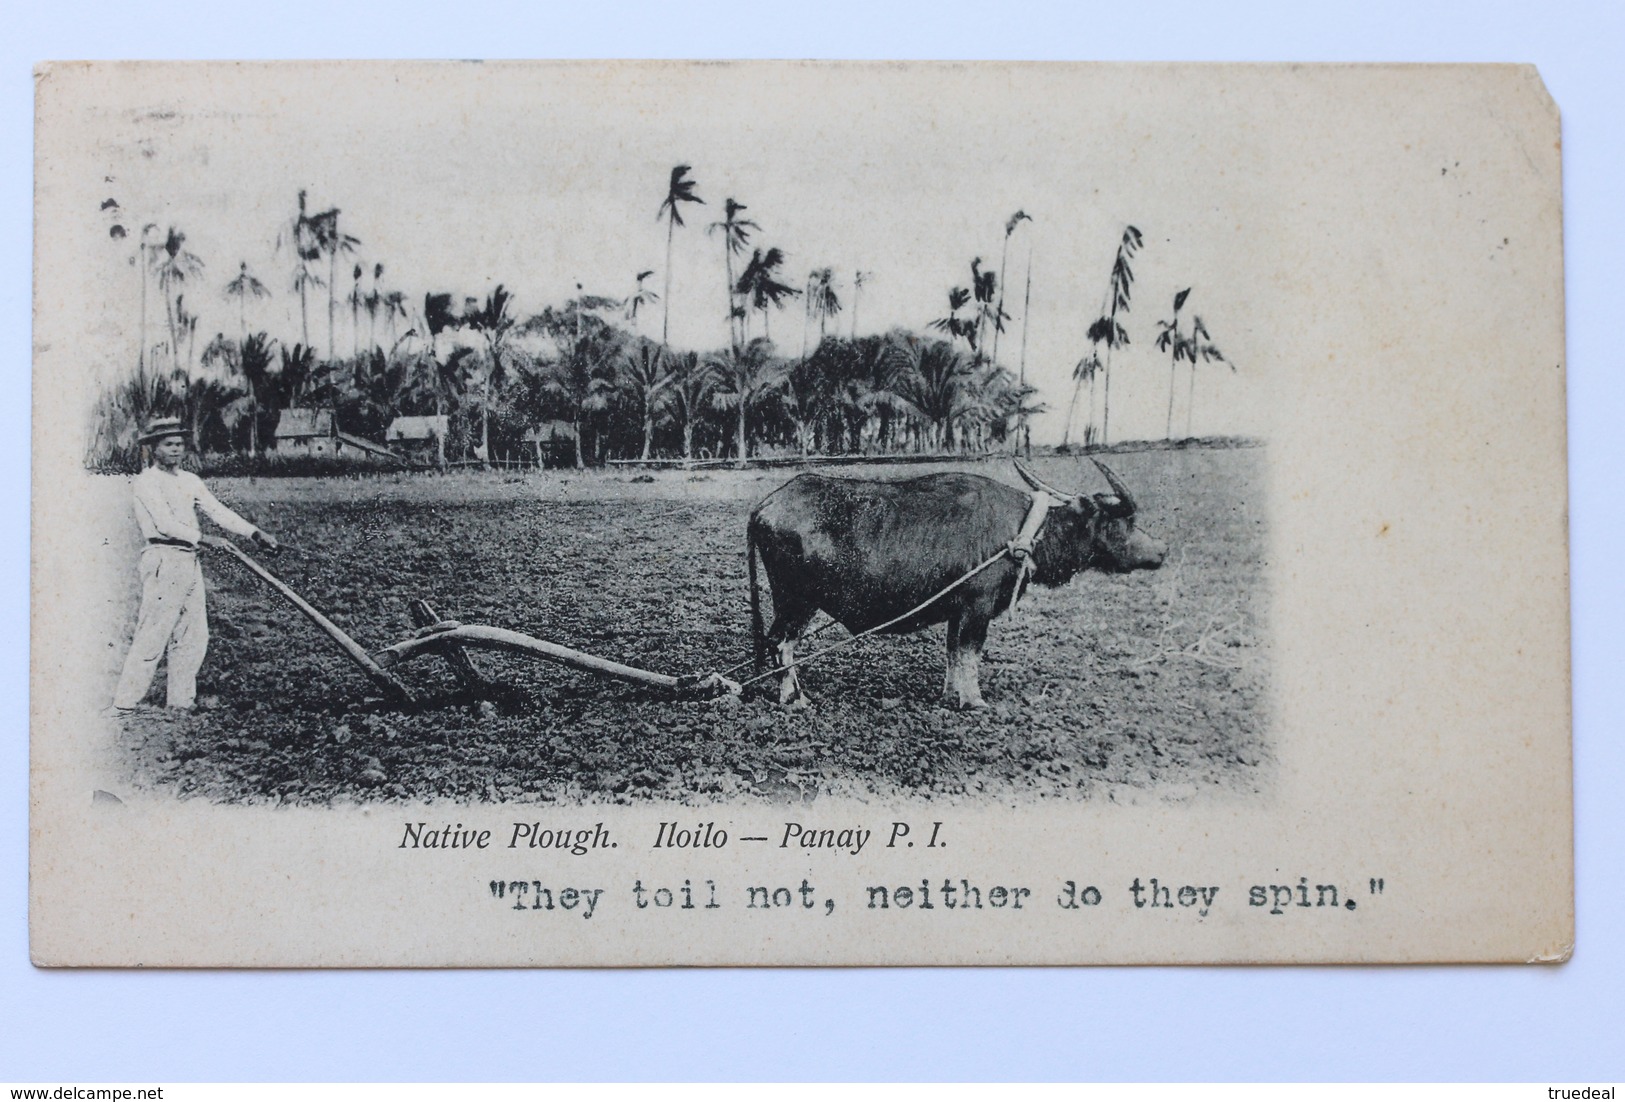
(868,551)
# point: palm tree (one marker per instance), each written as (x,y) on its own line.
(394,307)
(759,285)
(1015,220)
(1026,315)
(209,399)
(381,386)
(1106,329)
(693,382)
(186,325)
(1170,339)
(836,389)
(822,300)
(806,313)
(250,360)
(493,323)
(646,375)
(304,278)
(433,381)
(175,265)
(241,289)
(991,401)
(1026,407)
(933,377)
(332,241)
(582,377)
(858,281)
(867,390)
(743,381)
(735,236)
(372,303)
(1202,349)
(145,262)
(255,365)
(806,386)
(639,298)
(354,300)
(956,327)
(299,236)
(297,376)
(983,287)
(1085,370)
(679,191)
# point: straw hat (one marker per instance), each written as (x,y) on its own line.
(162,427)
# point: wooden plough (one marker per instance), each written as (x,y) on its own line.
(451,641)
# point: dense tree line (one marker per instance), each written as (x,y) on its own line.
(578,382)
(622,395)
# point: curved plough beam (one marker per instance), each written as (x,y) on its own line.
(438,636)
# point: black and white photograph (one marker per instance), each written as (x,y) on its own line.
(855,489)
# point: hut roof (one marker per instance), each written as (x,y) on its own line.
(417,428)
(297,423)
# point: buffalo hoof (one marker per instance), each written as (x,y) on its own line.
(791,694)
(966,704)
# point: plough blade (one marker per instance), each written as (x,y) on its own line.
(462,665)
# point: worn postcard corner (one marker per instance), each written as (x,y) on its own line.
(619,513)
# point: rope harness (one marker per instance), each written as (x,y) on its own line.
(1020,549)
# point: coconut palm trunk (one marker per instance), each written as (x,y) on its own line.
(440,435)
(998,309)
(332,306)
(665,313)
(806,320)
(1190,401)
(1089,435)
(141,353)
(355,313)
(485,422)
(1071,414)
(174,340)
(733,325)
(679,190)
(1026,312)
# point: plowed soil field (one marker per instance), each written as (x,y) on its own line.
(1149,685)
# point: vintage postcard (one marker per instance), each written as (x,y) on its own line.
(765,513)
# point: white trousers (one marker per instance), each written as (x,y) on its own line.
(173,618)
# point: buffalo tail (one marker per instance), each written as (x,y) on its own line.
(758,636)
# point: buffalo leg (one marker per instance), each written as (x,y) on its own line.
(962,682)
(786,631)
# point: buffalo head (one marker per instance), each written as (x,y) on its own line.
(1085,532)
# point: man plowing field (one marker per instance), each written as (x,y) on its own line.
(173,616)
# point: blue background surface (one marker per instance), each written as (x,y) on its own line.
(1551,1024)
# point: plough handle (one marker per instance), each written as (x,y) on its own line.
(352,650)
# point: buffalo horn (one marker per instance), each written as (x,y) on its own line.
(1039,484)
(1125,499)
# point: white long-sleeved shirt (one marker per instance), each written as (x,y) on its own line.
(166,505)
